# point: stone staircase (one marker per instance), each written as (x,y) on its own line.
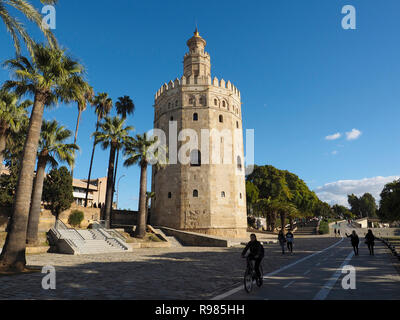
(309,228)
(93,241)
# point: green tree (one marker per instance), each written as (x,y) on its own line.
(115,135)
(52,147)
(103,105)
(368,205)
(140,151)
(389,206)
(58,191)
(12,114)
(342,212)
(17,29)
(252,194)
(45,78)
(354,203)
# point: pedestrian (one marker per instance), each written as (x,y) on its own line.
(370,242)
(335,233)
(355,241)
(282,240)
(289,239)
(338,231)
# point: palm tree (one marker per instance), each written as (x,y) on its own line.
(112,134)
(16,28)
(139,151)
(103,105)
(81,93)
(52,146)
(12,112)
(45,78)
(125,107)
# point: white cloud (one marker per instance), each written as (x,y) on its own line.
(333,136)
(335,152)
(353,134)
(336,192)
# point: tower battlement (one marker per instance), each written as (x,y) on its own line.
(192,80)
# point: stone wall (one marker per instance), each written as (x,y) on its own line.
(47,220)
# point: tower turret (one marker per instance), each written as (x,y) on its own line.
(197,61)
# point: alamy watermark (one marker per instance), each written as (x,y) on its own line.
(349,21)
(202,147)
(49,280)
(49,19)
(349,280)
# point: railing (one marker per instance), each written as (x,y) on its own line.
(64,227)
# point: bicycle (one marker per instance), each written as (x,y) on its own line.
(250,276)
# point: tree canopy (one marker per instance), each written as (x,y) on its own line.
(389,209)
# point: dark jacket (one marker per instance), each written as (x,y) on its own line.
(369,238)
(354,239)
(256,249)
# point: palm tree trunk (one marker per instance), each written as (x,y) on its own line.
(34,213)
(3,139)
(115,172)
(76,137)
(141,223)
(90,167)
(13,255)
(110,187)
(283,221)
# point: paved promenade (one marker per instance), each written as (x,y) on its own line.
(170,273)
(319,276)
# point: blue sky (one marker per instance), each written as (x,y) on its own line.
(302,78)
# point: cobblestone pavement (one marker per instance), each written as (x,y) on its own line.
(165,273)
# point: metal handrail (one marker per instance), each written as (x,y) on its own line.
(64,227)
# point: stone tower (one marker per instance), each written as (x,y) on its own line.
(205,192)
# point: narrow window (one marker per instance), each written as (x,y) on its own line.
(221,118)
(172,119)
(240,196)
(215,102)
(223,194)
(195,158)
(176,103)
(195,194)
(239,163)
(169,195)
(195,117)
(223,104)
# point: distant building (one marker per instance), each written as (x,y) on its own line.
(97,192)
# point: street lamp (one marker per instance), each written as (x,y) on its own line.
(118,188)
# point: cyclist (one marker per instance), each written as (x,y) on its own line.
(256,253)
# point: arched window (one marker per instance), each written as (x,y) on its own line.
(237,124)
(215,102)
(195,158)
(223,104)
(191,100)
(195,117)
(195,194)
(176,103)
(241,196)
(169,195)
(221,118)
(171,119)
(223,194)
(239,163)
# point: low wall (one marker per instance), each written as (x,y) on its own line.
(195,239)
(47,220)
(124,218)
(380,232)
